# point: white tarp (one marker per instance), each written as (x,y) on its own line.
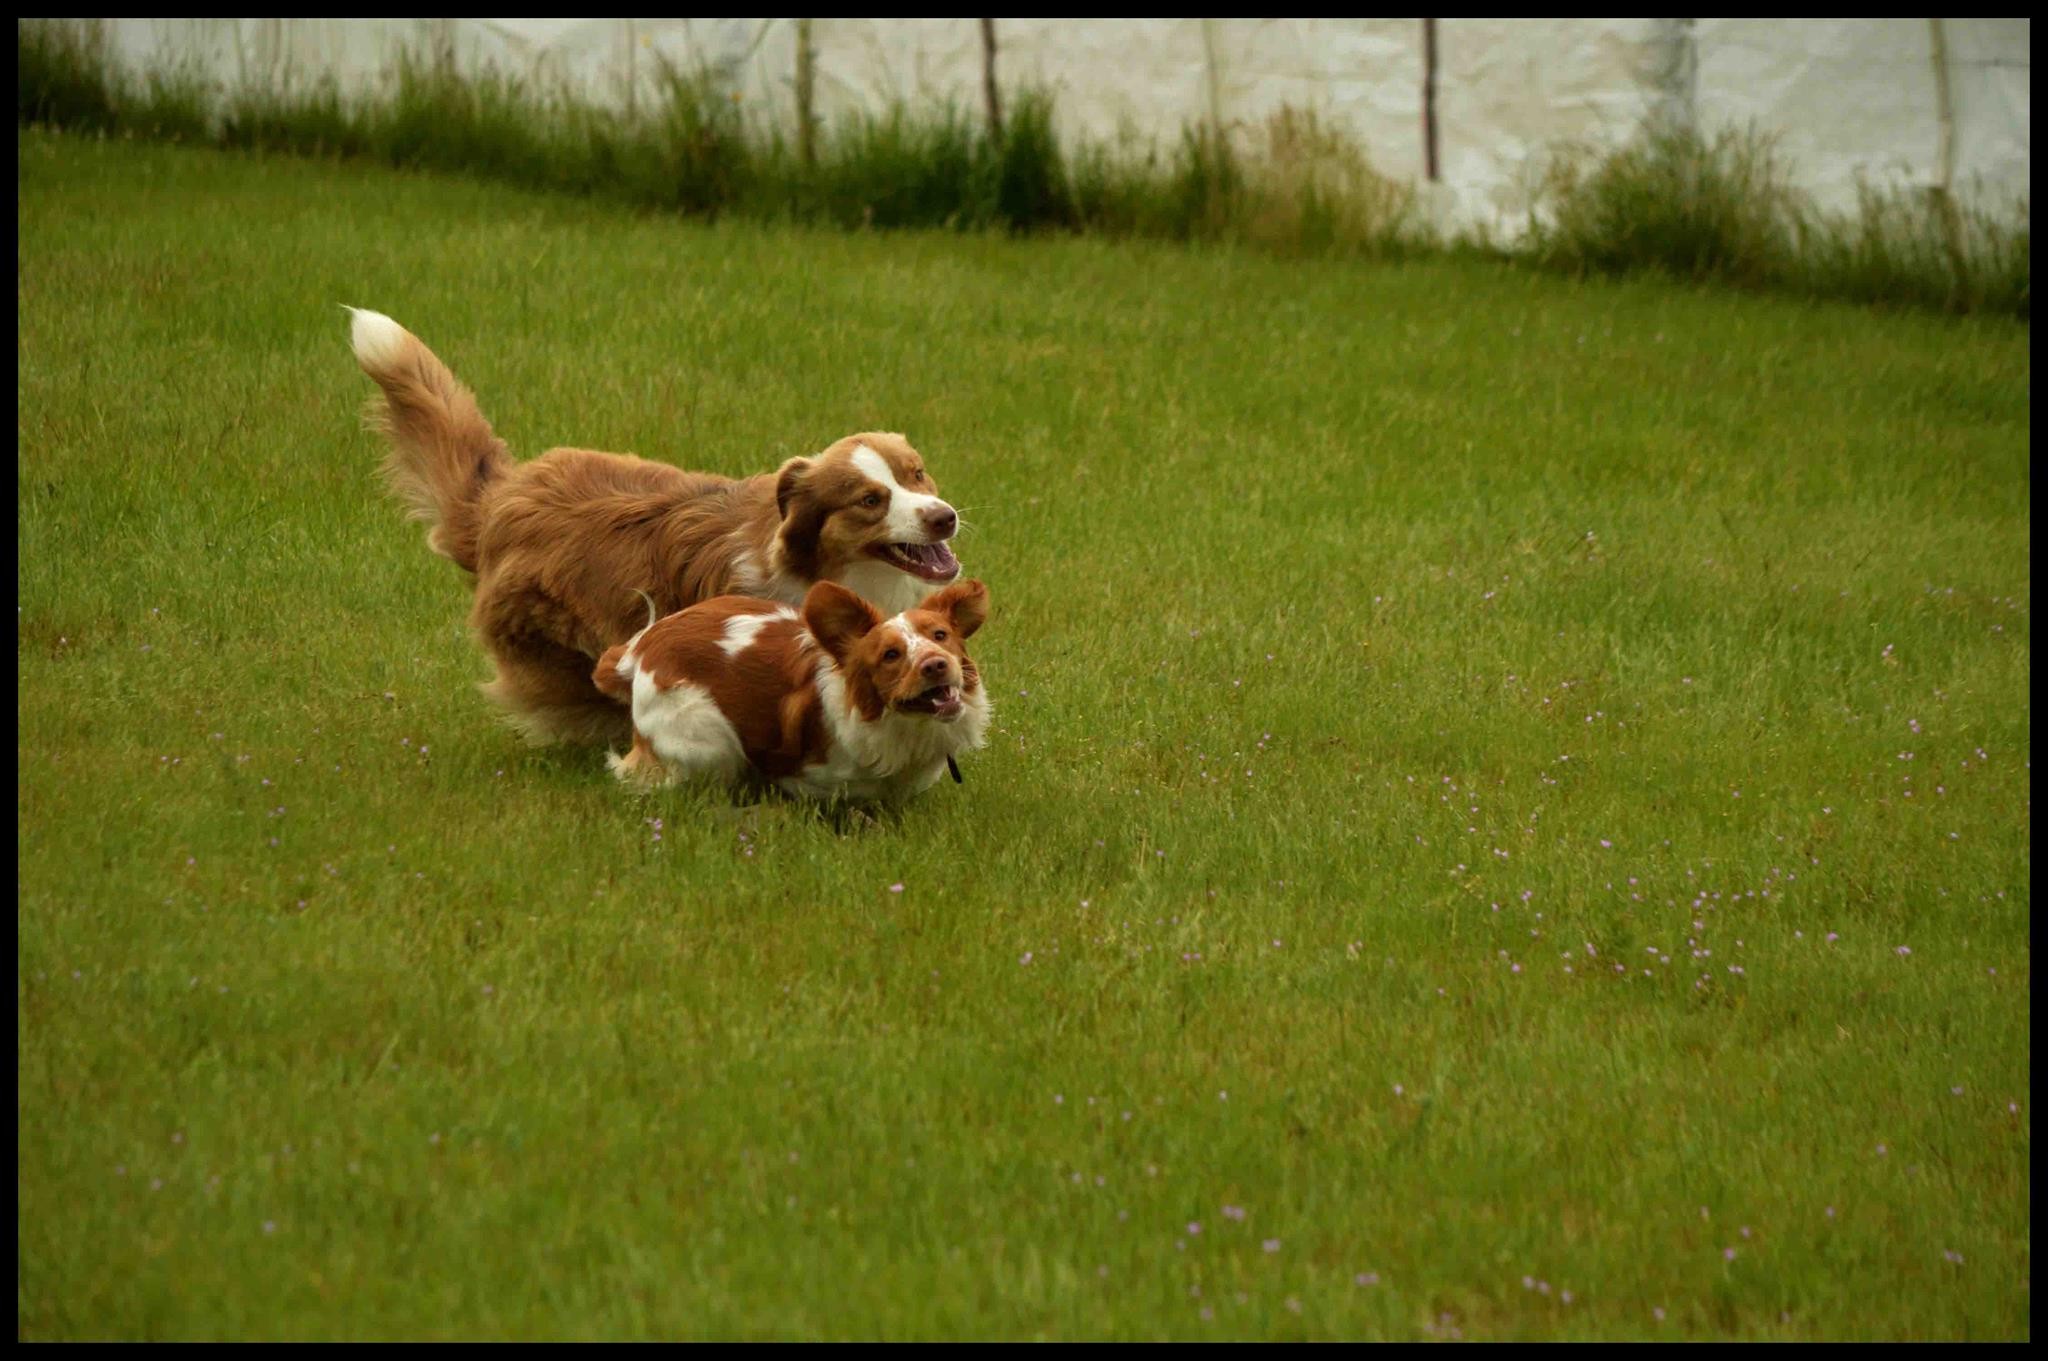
(1848,98)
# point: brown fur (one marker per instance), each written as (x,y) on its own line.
(559,545)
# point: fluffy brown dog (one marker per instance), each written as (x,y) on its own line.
(560,545)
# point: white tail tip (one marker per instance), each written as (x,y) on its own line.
(377,339)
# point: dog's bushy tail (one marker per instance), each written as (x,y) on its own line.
(443,455)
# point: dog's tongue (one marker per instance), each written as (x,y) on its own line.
(935,559)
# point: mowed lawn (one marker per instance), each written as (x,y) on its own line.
(1508,815)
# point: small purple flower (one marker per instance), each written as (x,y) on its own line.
(896,887)
(1194,1227)
(1367,1278)
(1272,1245)
(1233,1212)
(1728,1254)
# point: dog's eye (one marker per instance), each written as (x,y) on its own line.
(891,655)
(938,635)
(871,500)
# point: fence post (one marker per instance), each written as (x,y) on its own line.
(1429,159)
(806,79)
(1677,76)
(988,79)
(1209,74)
(1943,192)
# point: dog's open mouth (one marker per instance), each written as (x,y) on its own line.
(932,561)
(941,701)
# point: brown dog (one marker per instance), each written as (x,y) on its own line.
(559,545)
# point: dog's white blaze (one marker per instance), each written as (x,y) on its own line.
(906,519)
(742,629)
(913,641)
(377,339)
(687,729)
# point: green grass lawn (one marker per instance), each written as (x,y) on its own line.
(1509,812)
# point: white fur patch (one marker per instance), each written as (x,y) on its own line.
(742,629)
(749,576)
(377,340)
(687,730)
(889,588)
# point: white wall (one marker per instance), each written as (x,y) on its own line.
(1859,96)
(1847,97)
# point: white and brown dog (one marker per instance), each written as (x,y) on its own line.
(558,545)
(835,702)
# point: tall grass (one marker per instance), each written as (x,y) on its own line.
(1723,208)
(1720,208)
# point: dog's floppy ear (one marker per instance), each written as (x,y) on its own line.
(802,517)
(838,618)
(964,602)
(787,480)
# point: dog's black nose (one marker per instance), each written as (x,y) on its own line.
(940,521)
(933,667)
